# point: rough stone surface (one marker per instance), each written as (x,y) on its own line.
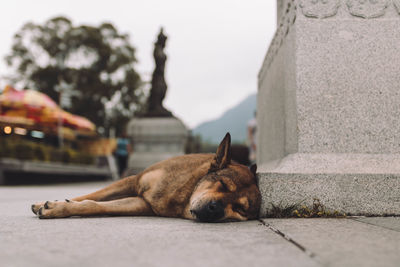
(354,194)
(343,242)
(130,241)
(335,163)
(347,86)
(155,139)
(328,105)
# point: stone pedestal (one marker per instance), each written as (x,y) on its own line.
(154,140)
(329,107)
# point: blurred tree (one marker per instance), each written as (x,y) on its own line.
(92,66)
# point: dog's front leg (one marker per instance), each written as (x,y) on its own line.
(131,206)
(123,188)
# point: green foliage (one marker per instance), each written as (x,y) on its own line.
(27,150)
(40,153)
(317,210)
(206,147)
(193,144)
(60,155)
(82,158)
(24,151)
(5,150)
(280,211)
(94,65)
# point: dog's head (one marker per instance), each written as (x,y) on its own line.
(228,192)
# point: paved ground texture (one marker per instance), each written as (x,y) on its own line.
(150,241)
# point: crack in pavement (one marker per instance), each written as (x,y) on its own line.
(308,252)
(359,219)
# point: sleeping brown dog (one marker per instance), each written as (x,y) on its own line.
(204,187)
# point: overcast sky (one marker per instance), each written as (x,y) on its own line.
(215,48)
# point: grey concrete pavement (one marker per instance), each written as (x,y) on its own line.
(150,241)
(392,223)
(130,241)
(345,242)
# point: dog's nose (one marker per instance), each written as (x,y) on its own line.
(212,206)
(210,212)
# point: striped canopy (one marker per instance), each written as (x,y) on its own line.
(40,108)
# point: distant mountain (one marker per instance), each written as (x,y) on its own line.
(233,120)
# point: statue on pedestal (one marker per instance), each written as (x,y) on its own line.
(158,85)
(156,134)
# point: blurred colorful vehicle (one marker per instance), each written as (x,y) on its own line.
(26,99)
(38,139)
(31,108)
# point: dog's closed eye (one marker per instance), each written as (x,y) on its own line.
(240,209)
(227,185)
(225,188)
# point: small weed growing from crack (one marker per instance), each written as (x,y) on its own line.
(317,210)
(282,212)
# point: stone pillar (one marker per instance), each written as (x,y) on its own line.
(281,10)
(154,140)
(329,107)
(279,7)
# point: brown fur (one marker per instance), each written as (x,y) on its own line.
(208,187)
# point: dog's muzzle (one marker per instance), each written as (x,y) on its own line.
(210,212)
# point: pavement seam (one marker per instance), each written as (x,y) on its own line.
(308,252)
(379,226)
(291,240)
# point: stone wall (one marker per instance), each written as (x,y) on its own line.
(328,107)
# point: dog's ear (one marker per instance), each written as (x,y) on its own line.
(253,169)
(223,156)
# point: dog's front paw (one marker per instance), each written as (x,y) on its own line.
(35,207)
(54,209)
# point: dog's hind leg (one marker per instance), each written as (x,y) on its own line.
(131,206)
(126,187)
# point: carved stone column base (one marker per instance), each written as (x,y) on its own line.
(355,184)
(329,105)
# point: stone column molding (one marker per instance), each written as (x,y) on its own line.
(329,107)
(319,8)
(328,8)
